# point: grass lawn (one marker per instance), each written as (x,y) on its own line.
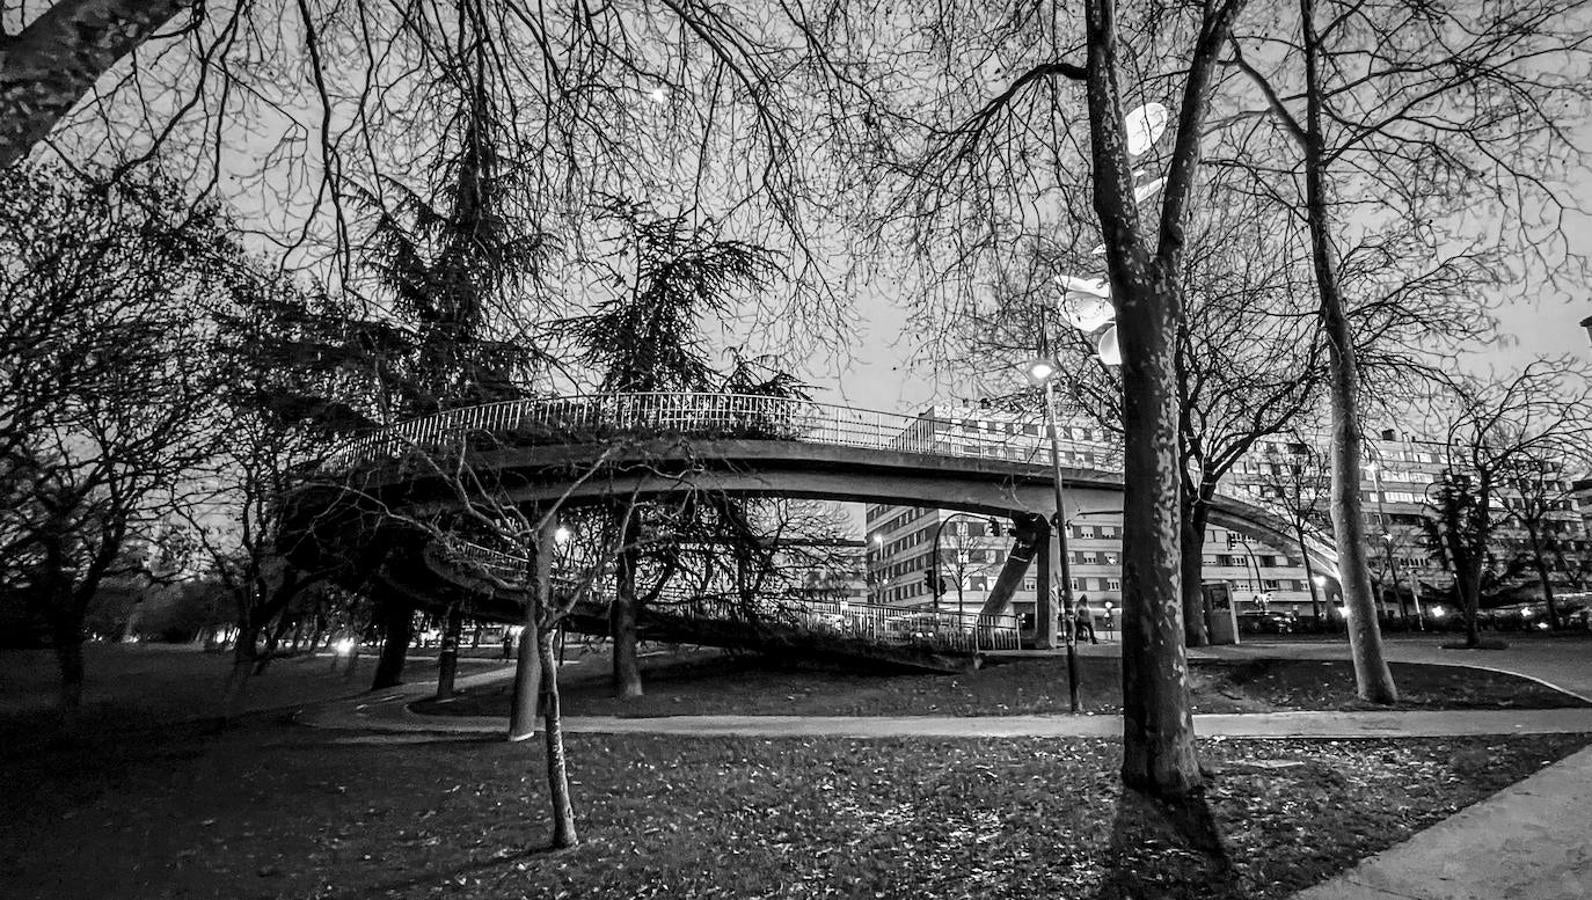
(132,687)
(274,811)
(705,683)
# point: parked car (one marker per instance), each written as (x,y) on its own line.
(1265,623)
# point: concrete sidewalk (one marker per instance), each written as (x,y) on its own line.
(1526,842)
(388,711)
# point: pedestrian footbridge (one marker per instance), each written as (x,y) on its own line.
(601,448)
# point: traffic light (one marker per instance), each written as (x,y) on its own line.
(994,527)
(932,579)
(1232,541)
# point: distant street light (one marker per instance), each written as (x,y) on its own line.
(561,535)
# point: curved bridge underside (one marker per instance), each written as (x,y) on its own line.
(598,473)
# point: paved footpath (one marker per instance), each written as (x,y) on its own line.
(1531,841)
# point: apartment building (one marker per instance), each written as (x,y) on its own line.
(973,548)
(1282,475)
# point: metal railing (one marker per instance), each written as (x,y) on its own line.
(598,417)
(868,622)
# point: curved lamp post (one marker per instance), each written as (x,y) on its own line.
(937,581)
(1042,372)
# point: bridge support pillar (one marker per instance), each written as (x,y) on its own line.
(1047,633)
(1026,536)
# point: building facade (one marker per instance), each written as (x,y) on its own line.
(1284,475)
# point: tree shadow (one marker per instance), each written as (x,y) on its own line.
(501,864)
(1170,849)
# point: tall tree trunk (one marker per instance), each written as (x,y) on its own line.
(1373,678)
(622,617)
(397,632)
(68,637)
(1157,723)
(1195,516)
(448,655)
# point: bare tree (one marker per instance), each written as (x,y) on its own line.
(1497,430)
(107,408)
(1294,481)
(999,165)
(1541,501)
(1409,123)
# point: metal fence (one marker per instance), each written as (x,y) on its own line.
(590,418)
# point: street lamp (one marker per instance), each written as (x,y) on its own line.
(1042,372)
(936,581)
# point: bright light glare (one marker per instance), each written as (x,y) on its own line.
(1439,613)
(561,535)
(1321,581)
(1341,611)
(344,646)
(1040,370)
(658,94)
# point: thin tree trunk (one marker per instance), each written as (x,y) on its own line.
(528,669)
(1310,574)
(1540,558)
(564,835)
(622,618)
(1195,516)
(1373,678)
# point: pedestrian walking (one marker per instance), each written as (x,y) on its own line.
(1083,619)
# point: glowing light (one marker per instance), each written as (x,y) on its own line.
(659,94)
(561,535)
(1320,580)
(1040,370)
(344,647)
(1439,613)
